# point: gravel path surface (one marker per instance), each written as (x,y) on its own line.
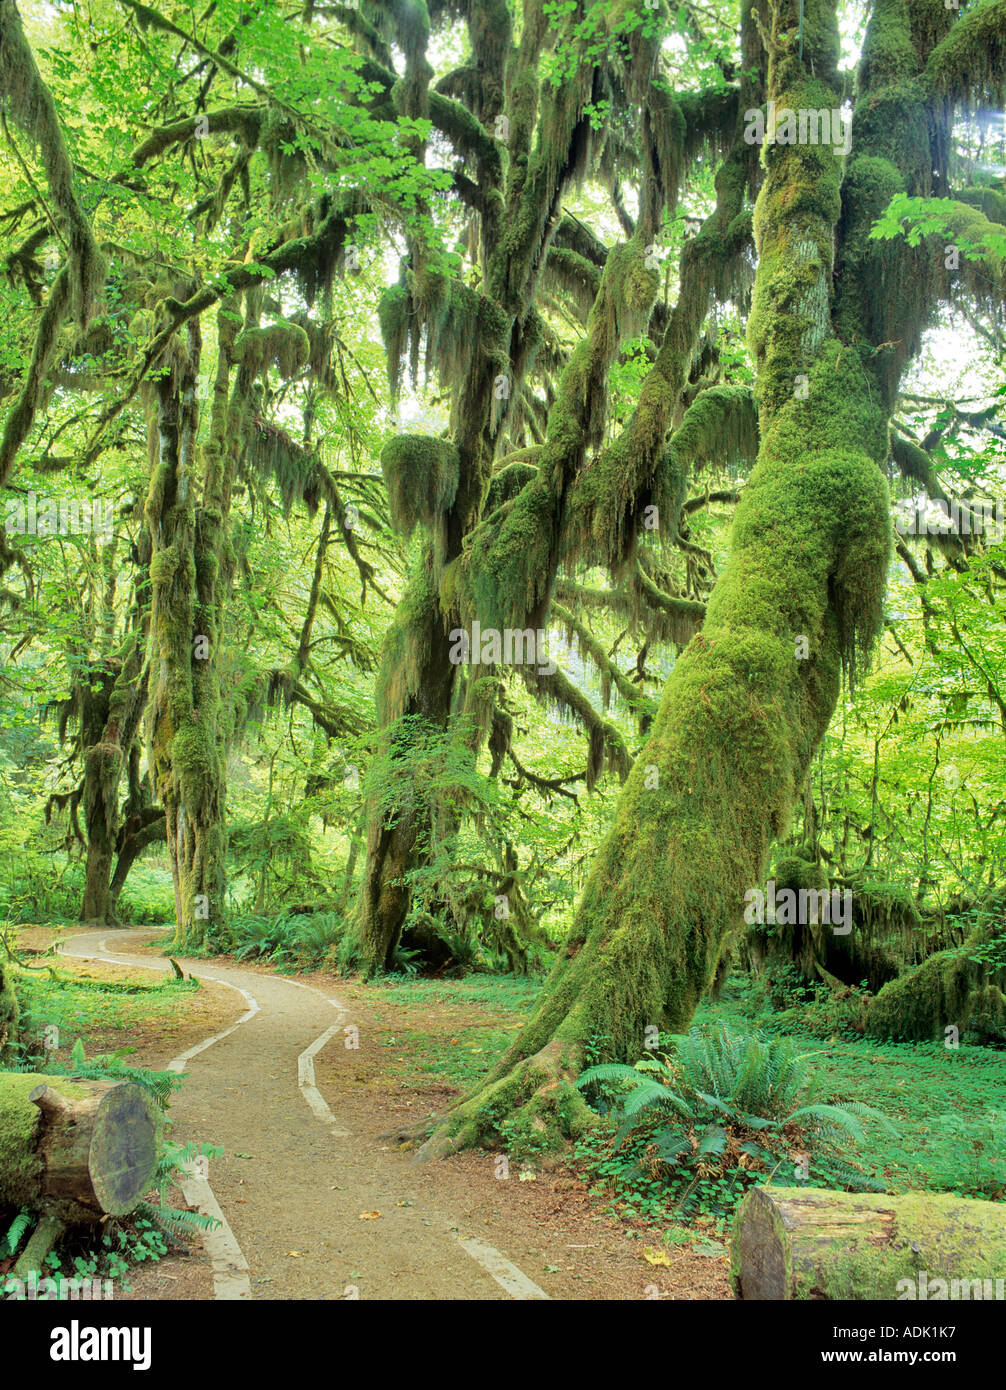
(296,1188)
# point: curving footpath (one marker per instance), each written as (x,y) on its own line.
(293,1181)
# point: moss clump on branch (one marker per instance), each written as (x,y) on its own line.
(421,474)
(282,345)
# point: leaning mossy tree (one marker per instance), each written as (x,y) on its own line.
(836,316)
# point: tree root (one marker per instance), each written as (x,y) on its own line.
(536,1101)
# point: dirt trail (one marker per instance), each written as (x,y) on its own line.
(293,1181)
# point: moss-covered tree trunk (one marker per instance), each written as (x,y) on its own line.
(416,679)
(100,736)
(952,992)
(749,700)
(78,1150)
(186,738)
(484,345)
(104,762)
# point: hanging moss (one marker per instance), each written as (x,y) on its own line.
(393,312)
(607,505)
(641,704)
(504,577)
(968,67)
(26,96)
(321,360)
(284,346)
(421,474)
(271,452)
(406,644)
(930,21)
(569,271)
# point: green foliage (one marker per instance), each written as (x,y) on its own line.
(297,941)
(162,1219)
(724,1110)
(917,218)
(107,1067)
(16,1232)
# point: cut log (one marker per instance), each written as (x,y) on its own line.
(76,1150)
(794,1243)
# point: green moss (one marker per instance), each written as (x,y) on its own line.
(965,987)
(195,761)
(163,565)
(393,311)
(21,1166)
(988,200)
(968,66)
(941,1234)
(422,475)
(506,572)
(407,643)
(282,345)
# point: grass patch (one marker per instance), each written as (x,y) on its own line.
(501,993)
(79,1001)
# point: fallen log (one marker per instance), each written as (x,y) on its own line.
(811,1243)
(76,1150)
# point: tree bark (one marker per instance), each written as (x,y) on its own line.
(187,741)
(133,839)
(416,679)
(796,1243)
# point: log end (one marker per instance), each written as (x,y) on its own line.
(124,1146)
(758,1250)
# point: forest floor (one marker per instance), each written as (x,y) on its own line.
(298,1093)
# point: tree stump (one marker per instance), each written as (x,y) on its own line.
(76,1150)
(794,1243)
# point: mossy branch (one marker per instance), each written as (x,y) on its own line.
(607,748)
(28,99)
(611,675)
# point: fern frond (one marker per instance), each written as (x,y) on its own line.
(15,1233)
